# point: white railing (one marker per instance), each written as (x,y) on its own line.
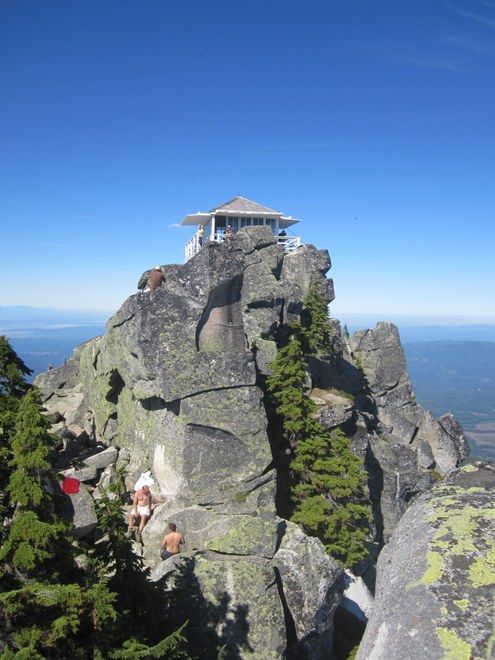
(192,246)
(289,243)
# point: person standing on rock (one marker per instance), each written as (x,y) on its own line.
(228,233)
(156,278)
(171,542)
(141,508)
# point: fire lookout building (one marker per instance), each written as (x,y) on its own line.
(237,213)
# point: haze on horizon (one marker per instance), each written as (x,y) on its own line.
(372,123)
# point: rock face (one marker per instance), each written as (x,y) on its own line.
(176,384)
(435,595)
(173,384)
(406,440)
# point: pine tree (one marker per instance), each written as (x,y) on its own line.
(328,482)
(13,371)
(48,610)
(330,493)
(13,386)
(287,386)
(51,607)
(35,533)
(314,318)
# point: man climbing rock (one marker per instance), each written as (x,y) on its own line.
(171,542)
(156,278)
(141,509)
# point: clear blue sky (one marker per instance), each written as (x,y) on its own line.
(119,117)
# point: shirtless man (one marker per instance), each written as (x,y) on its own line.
(141,508)
(171,542)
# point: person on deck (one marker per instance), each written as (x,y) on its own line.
(171,542)
(141,509)
(156,278)
(201,231)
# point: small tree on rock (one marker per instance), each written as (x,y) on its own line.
(314,318)
(327,480)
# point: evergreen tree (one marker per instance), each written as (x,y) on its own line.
(138,600)
(328,482)
(13,371)
(314,318)
(47,610)
(330,493)
(51,607)
(287,387)
(35,533)
(13,386)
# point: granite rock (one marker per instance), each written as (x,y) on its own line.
(435,590)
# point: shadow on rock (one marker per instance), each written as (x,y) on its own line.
(214,630)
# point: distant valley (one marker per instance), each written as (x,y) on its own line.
(458,376)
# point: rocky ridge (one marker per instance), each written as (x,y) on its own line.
(176,384)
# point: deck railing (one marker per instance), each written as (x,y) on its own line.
(289,243)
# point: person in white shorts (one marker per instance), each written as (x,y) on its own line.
(141,509)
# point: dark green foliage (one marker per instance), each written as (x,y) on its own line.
(139,628)
(35,535)
(170,647)
(12,371)
(327,480)
(287,386)
(12,387)
(314,318)
(51,607)
(330,493)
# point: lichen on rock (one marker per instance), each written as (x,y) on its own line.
(176,383)
(436,577)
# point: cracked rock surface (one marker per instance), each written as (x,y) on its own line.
(435,591)
(175,384)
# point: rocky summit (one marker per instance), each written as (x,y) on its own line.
(175,387)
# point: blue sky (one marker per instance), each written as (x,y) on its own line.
(370,121)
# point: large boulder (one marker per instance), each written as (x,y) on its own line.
(263,590)
(435,590)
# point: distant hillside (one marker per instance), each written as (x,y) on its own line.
(20,317)
(458,376)
(433,333)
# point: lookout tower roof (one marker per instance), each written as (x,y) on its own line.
(239,207)
(243,205)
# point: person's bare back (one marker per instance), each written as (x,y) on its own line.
(171,542)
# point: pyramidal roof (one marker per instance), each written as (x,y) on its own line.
(243,205)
